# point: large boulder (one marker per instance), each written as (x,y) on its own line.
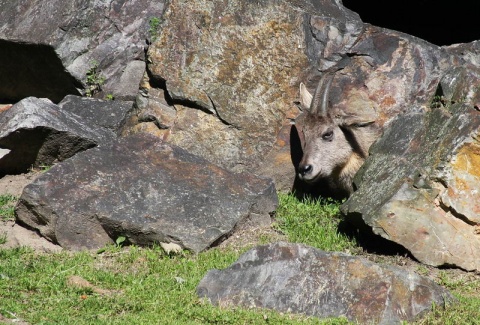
(232,72)
(419,187)
(36,133)
(146,190)
(385,74)
(299,279)
(47,48)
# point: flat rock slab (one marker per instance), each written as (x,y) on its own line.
(299,279)
(37,132)
(146,190)
(419,187)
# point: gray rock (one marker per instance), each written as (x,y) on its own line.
(38,133)
(46,49)
(108,114)
(146,190)
(419,187)
(470,52)
(129,82)
(299,279)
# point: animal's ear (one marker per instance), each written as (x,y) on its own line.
(354,121)
(305,97)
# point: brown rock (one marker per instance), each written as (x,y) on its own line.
(145,190)
(237,64)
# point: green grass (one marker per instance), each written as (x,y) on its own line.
(467,308)
(94,80)
(313,222)
(154,26)
(147,286)
(7,206)
(466,311)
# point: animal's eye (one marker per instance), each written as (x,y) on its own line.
(327,135)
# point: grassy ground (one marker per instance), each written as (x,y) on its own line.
(7,205)
(133,285)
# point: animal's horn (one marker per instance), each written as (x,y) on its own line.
(320,98)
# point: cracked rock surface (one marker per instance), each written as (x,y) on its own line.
(299,279)
(419,187)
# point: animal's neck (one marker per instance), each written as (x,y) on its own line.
(358,144)
(346,173)
(353,164)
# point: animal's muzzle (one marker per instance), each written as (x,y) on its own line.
(304,170)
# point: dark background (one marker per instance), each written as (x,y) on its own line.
(438,22)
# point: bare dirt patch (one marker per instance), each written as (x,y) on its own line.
(14,234)
(14,184)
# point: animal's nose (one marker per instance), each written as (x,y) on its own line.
(305,169)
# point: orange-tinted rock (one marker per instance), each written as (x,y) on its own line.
(419,187)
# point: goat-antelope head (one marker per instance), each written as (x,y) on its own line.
(334,144)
